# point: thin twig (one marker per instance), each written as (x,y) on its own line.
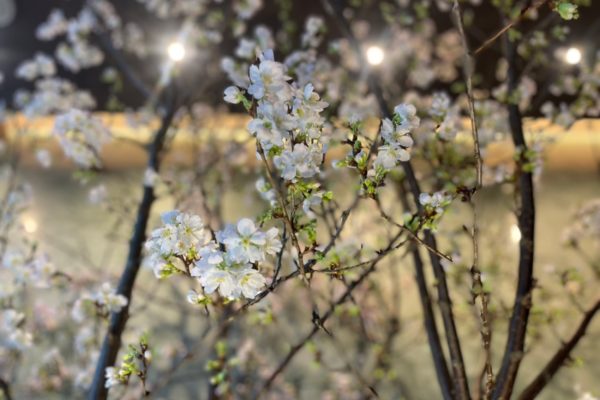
(388,218)
(289,222)
(320,323)
(478,292)
(529,7)
(284,240)
(468,68)
(477,285)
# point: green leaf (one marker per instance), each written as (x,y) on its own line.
(567,10)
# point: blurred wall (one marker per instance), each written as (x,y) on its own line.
(576,149)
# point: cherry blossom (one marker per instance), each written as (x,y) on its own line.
(81,136)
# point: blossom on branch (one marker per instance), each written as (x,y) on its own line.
(81,136)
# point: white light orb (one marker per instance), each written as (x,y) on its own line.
(573,56)
(375,55)
(30,225)
(515,234)
(176,51)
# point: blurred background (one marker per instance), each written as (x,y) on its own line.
(89,238)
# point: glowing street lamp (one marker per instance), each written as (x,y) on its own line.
(375,55)
(176,51)
(30,225)
(573,56)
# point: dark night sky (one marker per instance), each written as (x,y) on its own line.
(18,42)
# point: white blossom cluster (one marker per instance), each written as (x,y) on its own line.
(41,65)
(287,121)
(15,203)
(101,302)
(98,194)
(313,30)
(492,121)
(396,138)
(286,114)
(180,236)
(12,334)
(266,191)
(583,86)
(81,137)
(561,116)
(312,198)
(76,52)
(37,271)
(522,95)
(52,95)
(245,9)
(120,375)
(251,48)
(434,206)
(434,202)
(227,265)
(78,55)
(306,63)
(446,115)
(394,143)
(44,158)
(134,363)
(55,26)
(113,377)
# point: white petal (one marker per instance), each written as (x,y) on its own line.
(246,227)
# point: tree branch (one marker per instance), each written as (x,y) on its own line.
(435,344)
(517,331)
(529,7)
(118,320)
(544,377)
(5,388)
